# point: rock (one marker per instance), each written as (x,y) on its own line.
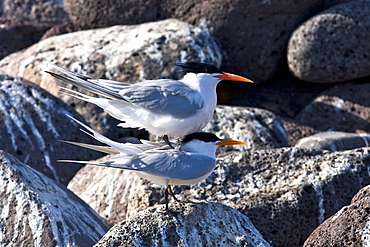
(253,33)
(63,28)
(261,129)
(200,224)
(296,131)
(111,192)
(16,35)
(33,125)
(348,227)
(123,53)
(343,107)
(286,192)
(332,46)
(48,12)
(37,211)
(334,141)
(284,94)
(93,14)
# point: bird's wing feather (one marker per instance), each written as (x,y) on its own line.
(173,164)
(104,88)
(165,97)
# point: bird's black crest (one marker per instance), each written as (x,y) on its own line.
(193,67)
(203,136)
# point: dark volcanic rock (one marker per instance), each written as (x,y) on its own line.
(348,227)
(344,107)
(333,45)
(16,35)
(49,12)
(37,211)
(33,123)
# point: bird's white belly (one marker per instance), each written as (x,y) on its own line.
(163,181)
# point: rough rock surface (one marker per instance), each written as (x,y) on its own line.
(37,211)
(122,53)
(296,131)
(199,224)
(350,226)
(110,191)
(35,11)
(334,141)
(344,107)
(333,45)
(259,128)
(253,33)
(34,123)
(286,192)
(16,35)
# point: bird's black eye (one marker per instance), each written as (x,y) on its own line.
(202,136)
(193,67)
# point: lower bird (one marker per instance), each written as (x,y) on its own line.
(164,107)
(189,162)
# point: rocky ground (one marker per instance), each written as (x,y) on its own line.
(302,180)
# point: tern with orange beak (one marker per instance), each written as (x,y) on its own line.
(189,162)
(164,107)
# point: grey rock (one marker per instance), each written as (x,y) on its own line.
(350,226)
(112,193)
(33,124)
(344,107)
(259,128)
(334,141)
(332,46)
(37,211)
(48,12)
(199,224)
(122,53)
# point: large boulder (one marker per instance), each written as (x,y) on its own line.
(37,211)
(123,53)
(199,224)
(33,124)
(333,45)
(348,227)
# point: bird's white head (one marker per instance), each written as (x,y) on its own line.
(205,143)
(206,74)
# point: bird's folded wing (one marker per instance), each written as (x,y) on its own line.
(169,97)
(174,164)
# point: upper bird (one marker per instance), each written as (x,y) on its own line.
(164,107)
(190,162)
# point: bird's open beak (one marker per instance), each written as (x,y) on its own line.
(232,77)
(230,142)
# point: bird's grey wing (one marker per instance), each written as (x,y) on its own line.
(175,164)
(165,97)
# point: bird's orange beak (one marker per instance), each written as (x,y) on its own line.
(232,77)
(230,142)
